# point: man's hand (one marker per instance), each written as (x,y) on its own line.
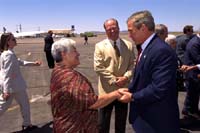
(126,95)
(186,68)
(121,81)
(198,76)
(6,96)
(38,63)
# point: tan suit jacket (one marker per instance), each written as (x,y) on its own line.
(108,66)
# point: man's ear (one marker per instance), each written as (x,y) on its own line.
(143,27)
(63,53)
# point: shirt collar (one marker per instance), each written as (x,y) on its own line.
(198,35)
(11,50)
(144,45)
(112,42)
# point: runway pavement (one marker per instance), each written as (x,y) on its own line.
(38,79)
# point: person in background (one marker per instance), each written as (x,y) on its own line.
(47,49)
(171,40)
(152,93)
(180,78)
(162,31)
(113,63)
(182,41)
(14,86)
(73,101)
(192,57)
(86,40)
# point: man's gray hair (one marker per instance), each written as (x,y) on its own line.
(142,17)
(62,45)
(160,29)
(170,38)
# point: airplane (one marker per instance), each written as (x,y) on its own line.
(27,34)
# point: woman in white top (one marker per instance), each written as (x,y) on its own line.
(14,86)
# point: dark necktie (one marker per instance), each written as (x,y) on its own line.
(139,49)
(116,49)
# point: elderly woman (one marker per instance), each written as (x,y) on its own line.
(73,100)
(14,86)
(171,40)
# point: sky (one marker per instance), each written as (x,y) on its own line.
(89,15)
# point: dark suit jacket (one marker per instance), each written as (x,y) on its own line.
(154,88)
(192,57)
(48,42)
(182,42)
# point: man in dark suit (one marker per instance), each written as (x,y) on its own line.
(152,93)
(86,40)
(182,41)
(192,57)
(47,49)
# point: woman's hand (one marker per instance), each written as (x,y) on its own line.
(38,63)
(6,96)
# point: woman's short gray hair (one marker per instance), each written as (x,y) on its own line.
(62,45)
(170,38)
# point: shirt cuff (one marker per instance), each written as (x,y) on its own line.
(198,65)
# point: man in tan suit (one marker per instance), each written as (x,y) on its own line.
(113,62)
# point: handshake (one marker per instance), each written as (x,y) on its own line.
(186,68)
(123,95)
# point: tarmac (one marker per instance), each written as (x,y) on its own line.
(38,80)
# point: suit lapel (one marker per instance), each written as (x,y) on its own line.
(141,63)
(145,53)
(111,50)
(123,50)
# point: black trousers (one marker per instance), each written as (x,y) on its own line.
(50,59)
(192,98)
(120,117)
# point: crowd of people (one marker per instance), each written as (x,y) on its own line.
(187,48)
(148,81)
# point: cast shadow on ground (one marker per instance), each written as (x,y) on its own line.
(187,126)
(190,124)
(47,128)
